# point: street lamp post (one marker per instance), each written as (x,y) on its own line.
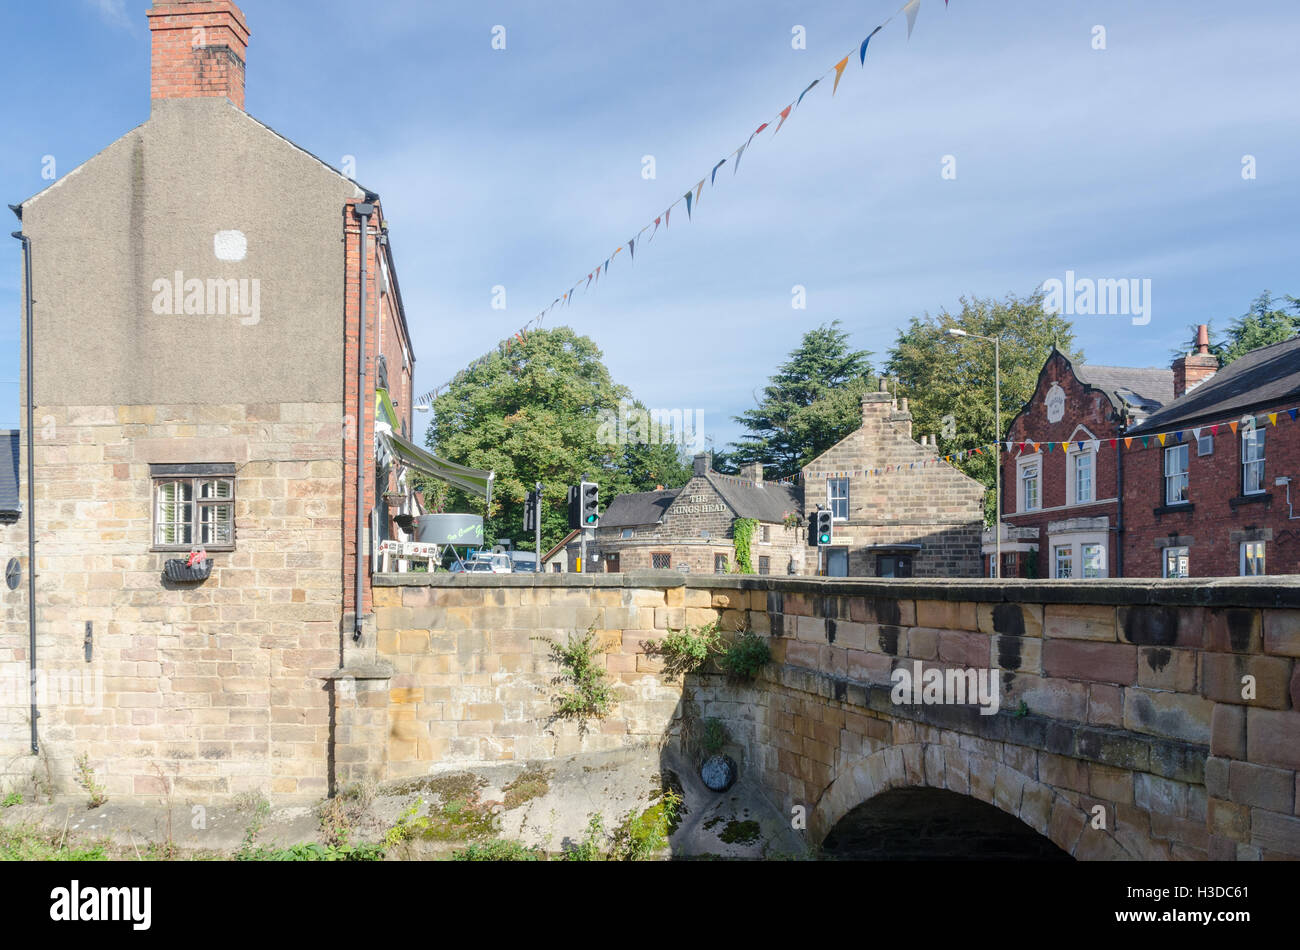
(997,454)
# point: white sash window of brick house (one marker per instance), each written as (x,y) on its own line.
(1176,562)
(1081,468)
(1252,559)
(1027,494)
(194,506)
(1176,474)
(837,497)
(1252,462)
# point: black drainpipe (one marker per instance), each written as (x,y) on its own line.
(31,509)
(1119,504)
(363,211)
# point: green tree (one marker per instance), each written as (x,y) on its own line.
(813,401)
(534,412)
(1264,323)
(949,381)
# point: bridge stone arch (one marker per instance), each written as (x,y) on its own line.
(1043,808)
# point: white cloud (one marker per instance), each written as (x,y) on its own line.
(112,12)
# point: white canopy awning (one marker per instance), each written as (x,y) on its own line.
(473,480)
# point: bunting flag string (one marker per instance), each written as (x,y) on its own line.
(692,197)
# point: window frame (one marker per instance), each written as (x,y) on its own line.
(1075,456)
(667,558)
(1083,559)
(1164,558)
(1056,562)
(764,564)
(1023,463)
(1204,444)
(1256,437)
(1243,558)
(1185,475)
(723,561)
(194,475)
(831,498)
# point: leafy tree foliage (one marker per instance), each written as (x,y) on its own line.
(949,381)
(1264,323)
(532,413)
(813,401)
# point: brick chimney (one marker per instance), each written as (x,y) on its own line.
(1194,368)
(199,48)
(752,471)
(703,462)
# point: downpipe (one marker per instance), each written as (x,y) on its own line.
(363,212)
(31,505)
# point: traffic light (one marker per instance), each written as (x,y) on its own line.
(825,530)
(590,500)
(812,529)
(531,505)
(575,512)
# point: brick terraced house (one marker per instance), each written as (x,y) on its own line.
(1060,506)
(1219,495)
(219,347)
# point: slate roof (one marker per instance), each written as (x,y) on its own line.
(768,501)
(9,500)
(637,508)
(1144,388)
(1268,375)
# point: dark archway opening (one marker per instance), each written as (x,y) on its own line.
(931,824)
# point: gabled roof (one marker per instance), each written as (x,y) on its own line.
(9,500)
(766,501)
(637,508)
(1262,377)
(1145,389)
(564,541)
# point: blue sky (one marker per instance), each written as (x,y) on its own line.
(523,167)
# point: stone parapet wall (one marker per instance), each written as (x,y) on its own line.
(1120,695)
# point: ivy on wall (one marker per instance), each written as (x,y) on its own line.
(742,533)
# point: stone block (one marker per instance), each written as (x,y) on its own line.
(1228,731)
(1224,678)
(1105,705)
(1262,786)
(1282,632)
(1114,663)
(1233,630)
(1273,738)
(946,615)
(1174,715)
(1012,620)
(1080,622)
(1167,668)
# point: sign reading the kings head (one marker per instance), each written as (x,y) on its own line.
(698,505)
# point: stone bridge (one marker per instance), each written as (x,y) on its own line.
(1137,720)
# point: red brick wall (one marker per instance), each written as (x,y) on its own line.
(199,50)
(1213,524)
(351,329)
(1084,406)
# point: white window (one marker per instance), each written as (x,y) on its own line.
(627,533)
(1094,560)
(1029,496)
(1176,562)
(837,497)
(1252,462)
(1081,471)
(1064,560)
(1205,444)
(1252,559)
(192,511)
(1176,475)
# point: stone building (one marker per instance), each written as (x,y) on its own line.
(11,506)
(692,528)
(893,516)
(1060,506)
(202,290)
(1212,480)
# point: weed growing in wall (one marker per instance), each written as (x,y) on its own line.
(590,694)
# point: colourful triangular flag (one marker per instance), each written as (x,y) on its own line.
(805,92)
(785,114)
(1272,418)
(911,11)
(1162,437)
(714,177)
(862,53)
(688,205)
(839,71)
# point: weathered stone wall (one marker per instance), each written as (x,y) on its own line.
(215,686)
(936,506)
(1131,695)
